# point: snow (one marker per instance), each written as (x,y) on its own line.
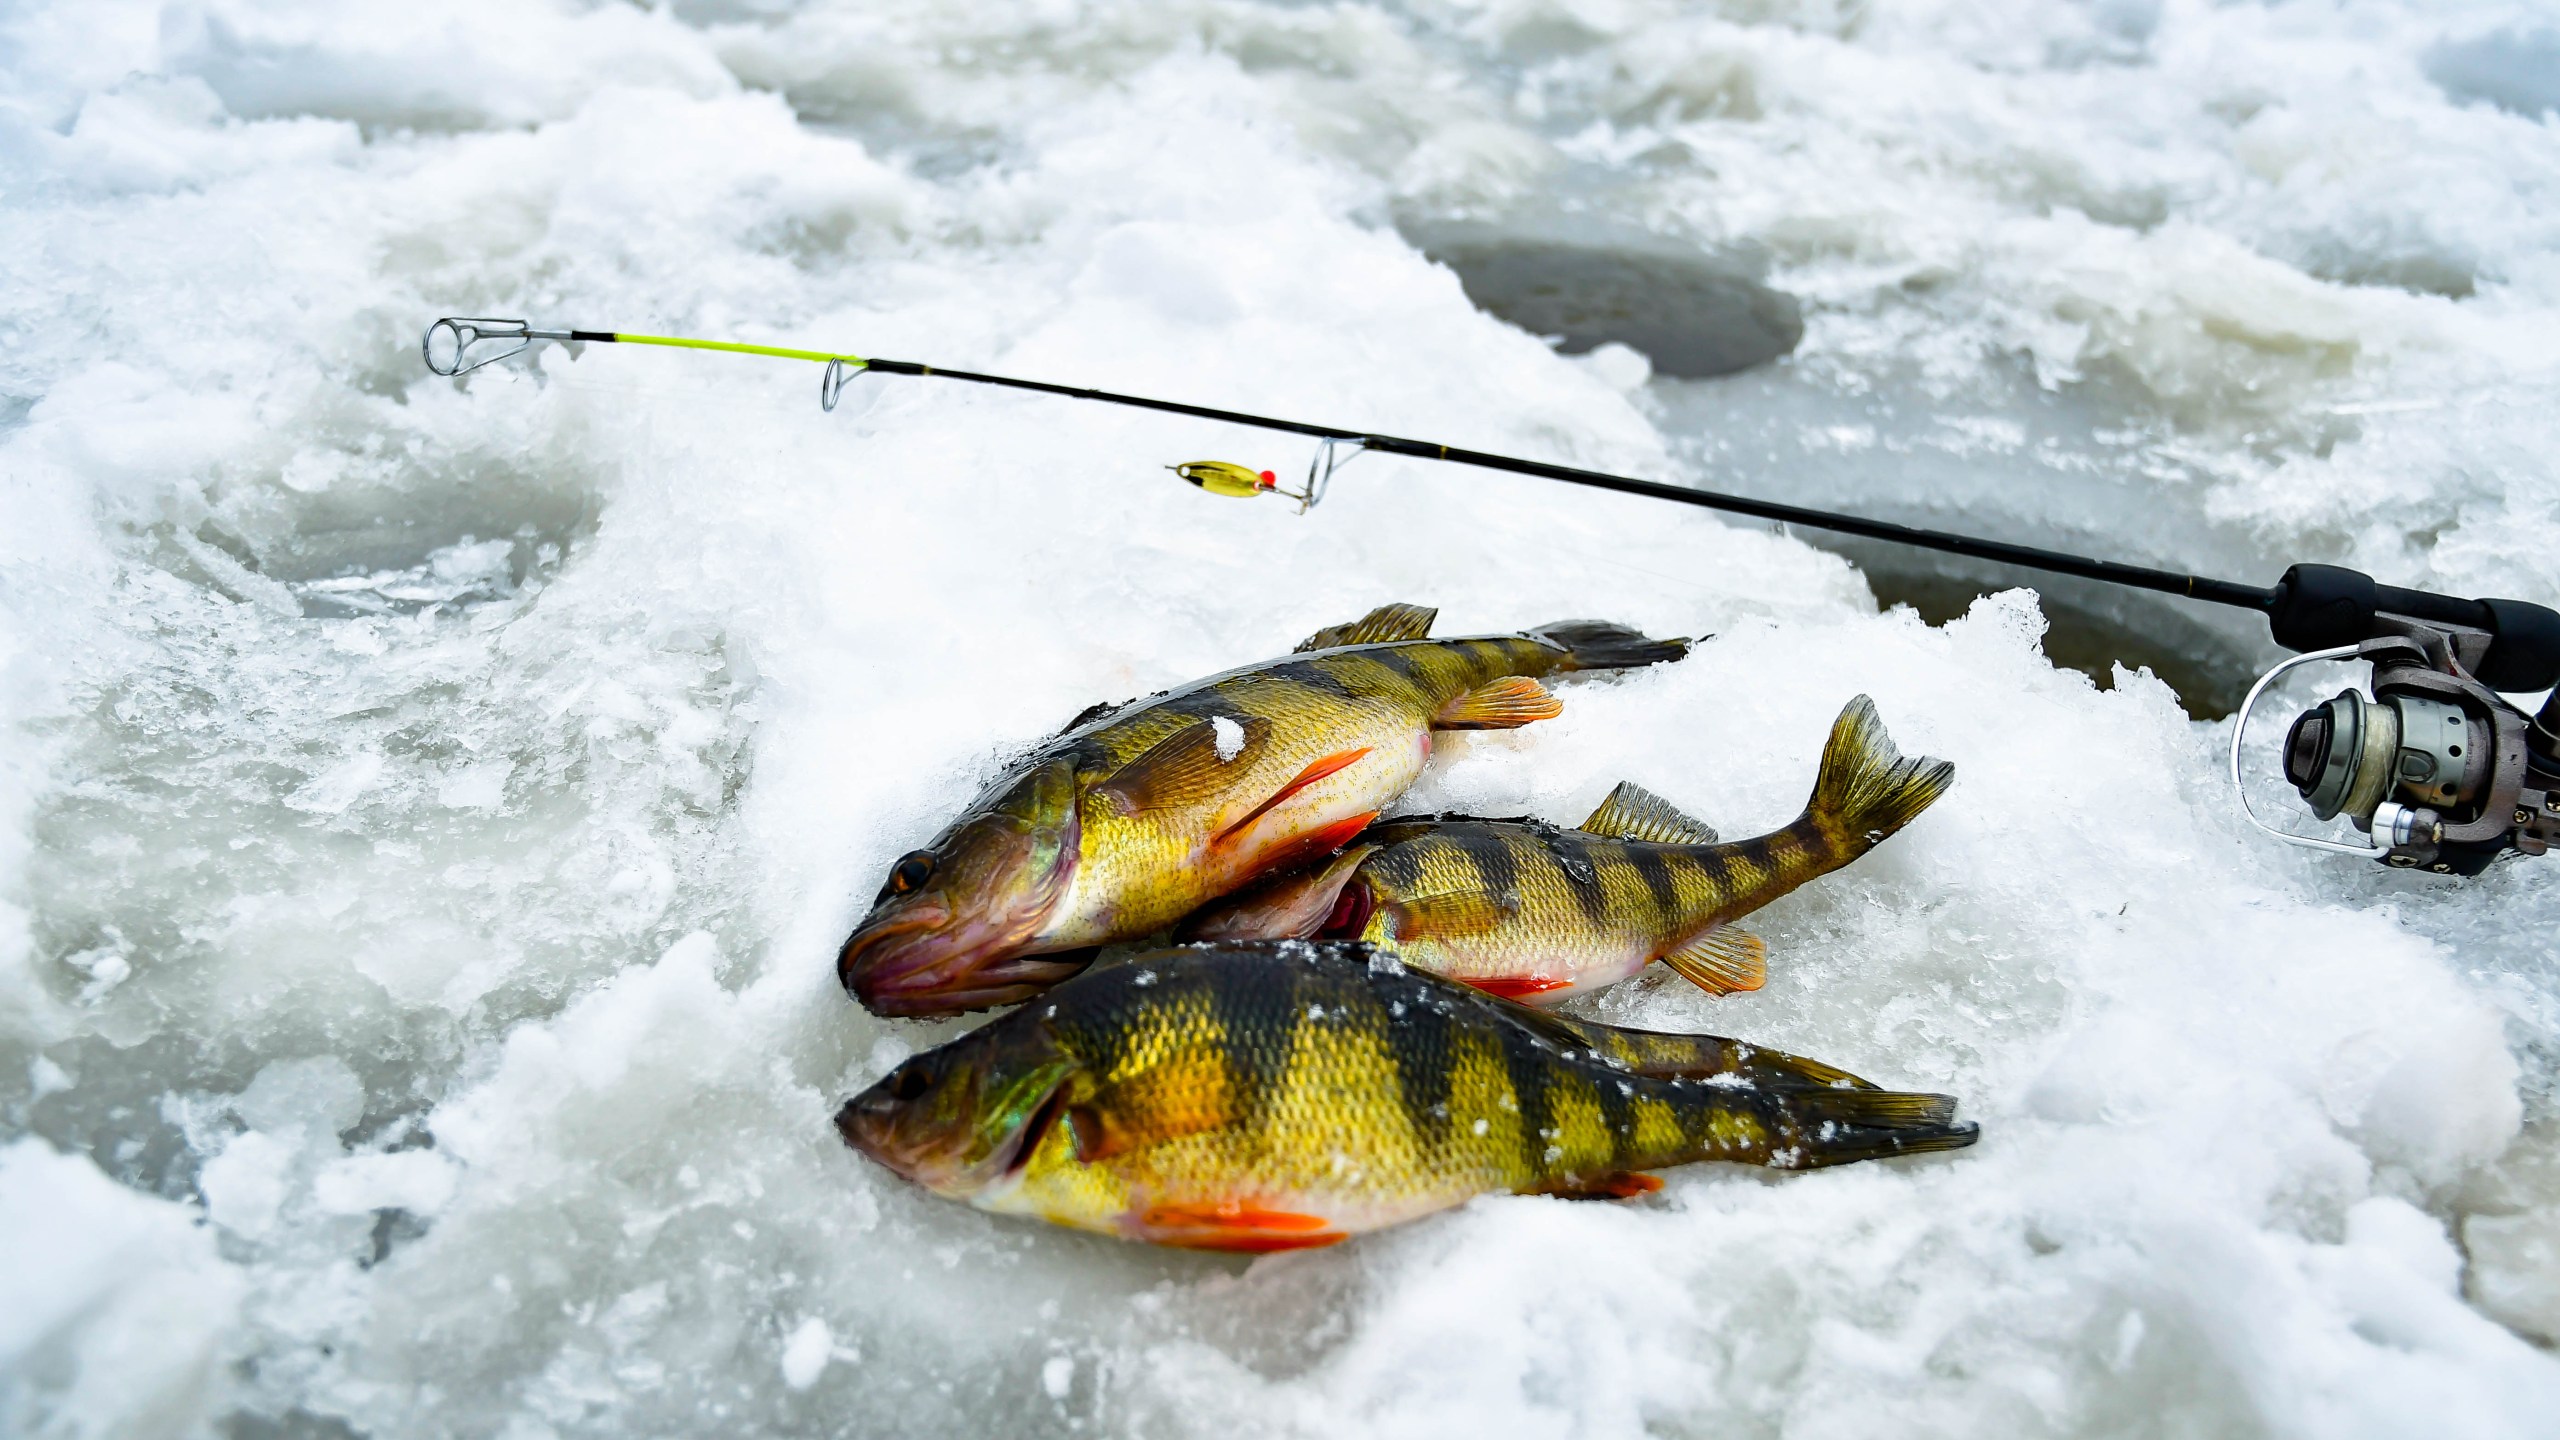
(428,809)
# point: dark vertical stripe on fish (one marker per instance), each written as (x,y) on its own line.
(1398,868)
(1318,675)
(1420,1039)
(1617,1108)
(1581,875)
(1405,662)
(1496,867)
(1655,871)
(1530,1067)
(1254,1071)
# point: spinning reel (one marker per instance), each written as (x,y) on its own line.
(2437,769)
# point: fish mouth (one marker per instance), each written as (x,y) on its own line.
(956,986)
(869,1125)
(875,942)
(919,962)
(869,1122)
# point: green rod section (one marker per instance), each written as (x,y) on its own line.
(732,346)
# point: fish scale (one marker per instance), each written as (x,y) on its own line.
(1279,1095)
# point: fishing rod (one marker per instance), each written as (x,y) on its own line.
(2436,768)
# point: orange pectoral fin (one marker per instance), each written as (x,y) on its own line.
(1318,841)
(1315,771)
(1514,987)
(1504,704)
(1723,961)
(1236,1227)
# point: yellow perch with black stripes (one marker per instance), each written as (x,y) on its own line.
(1137,814)
(1526,910)
(1278,1095)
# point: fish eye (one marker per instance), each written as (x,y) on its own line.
(909,1083)
(910,872)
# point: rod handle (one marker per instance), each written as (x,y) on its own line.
(2319,607)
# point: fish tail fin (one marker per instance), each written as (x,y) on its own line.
(1866,790)
(1600,645)
(1838,1126)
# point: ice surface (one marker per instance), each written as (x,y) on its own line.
(428,808)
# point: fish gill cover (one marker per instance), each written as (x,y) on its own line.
(427,810)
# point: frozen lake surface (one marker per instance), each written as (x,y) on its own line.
(428,809)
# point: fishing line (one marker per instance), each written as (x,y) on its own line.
(449,344)
(456,346)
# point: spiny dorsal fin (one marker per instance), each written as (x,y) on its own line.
(1504,704)
(1722,961)
(1091,713)
(1634,813)
(1387,622)
(1188,766)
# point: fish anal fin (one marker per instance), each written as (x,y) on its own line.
(1239,1227)
(1453,912)
(1622,1185)
(1504,704)
(1316,770)
(1634,813)
(1517,987)
(1187,767)
(1387,622)
(1723,961)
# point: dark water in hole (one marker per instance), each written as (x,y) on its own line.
(2077,469)
(1694,312)
(2085,632)
(2016,461)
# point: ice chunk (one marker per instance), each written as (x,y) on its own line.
(320,1093)
(805,1354)
(2515,1269)
(120,1316)
(417,1181)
